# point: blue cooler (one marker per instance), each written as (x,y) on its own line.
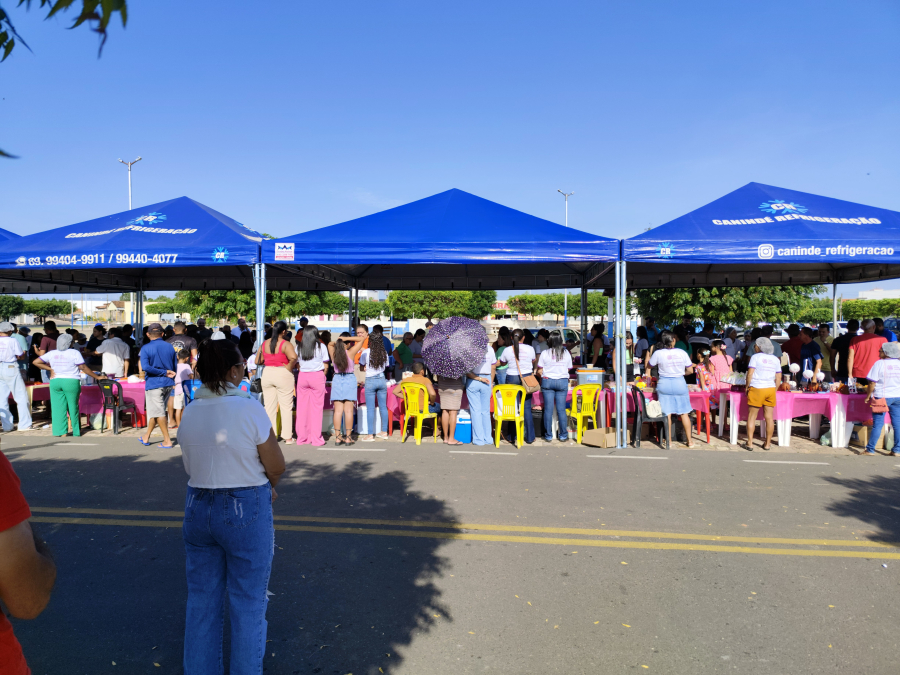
(463,432)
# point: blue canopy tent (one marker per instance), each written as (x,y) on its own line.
(761,235)
(176,244)
(765,235)
(6,234)
(449,241)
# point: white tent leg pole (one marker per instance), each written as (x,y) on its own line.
(139,329)
(259,282)
(616,338)
(834,311)
(621,375)
(584,327)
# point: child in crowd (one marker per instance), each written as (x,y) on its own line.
(183,373)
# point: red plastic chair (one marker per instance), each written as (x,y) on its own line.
(708,413)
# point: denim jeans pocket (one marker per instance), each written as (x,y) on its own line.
(191,501)
(241,507)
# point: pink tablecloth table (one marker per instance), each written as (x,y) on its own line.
(91,400)
(842,409)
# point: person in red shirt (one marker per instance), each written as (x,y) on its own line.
(864,352)
(27,571)
(793,344)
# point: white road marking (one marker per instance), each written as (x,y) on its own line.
(74,444)
(773,461)
(624,457)
(479,452)
(354,449)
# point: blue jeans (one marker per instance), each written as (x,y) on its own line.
(878,423)
(479,395)
(529,420)
(501,376)
(376,389)
(229,542)
(554,393)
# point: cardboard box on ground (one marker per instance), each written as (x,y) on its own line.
(863,432)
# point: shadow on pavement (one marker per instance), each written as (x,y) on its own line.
(875,501)
(341,603)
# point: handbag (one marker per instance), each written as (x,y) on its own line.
(529,381)
(878,405)
(256,383)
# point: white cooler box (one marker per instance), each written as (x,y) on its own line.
(362,420)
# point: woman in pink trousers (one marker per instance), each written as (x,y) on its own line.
(311,388)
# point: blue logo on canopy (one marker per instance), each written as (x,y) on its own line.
(149,219)
(220,254)
(665,250)
(780,207)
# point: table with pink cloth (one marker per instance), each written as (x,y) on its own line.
(842,409)
(394,403)
(91,400)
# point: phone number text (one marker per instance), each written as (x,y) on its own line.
(105,258)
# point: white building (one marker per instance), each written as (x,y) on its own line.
(880,294)
(363,295)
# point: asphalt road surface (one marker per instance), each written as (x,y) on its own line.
(402,559)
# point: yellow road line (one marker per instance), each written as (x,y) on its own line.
(636,534)
(513,539)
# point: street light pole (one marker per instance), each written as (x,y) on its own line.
(566,296)
(128,164)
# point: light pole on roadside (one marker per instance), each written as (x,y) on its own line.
(128,164)
(566,296)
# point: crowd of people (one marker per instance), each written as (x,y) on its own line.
(679,357)
(233,473)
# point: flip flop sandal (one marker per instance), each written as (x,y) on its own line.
(141,441)
(166,447)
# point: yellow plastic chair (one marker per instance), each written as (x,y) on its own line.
(585,405)
(508,407)
(415,403)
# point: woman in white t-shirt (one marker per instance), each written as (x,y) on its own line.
(763,371)
(884,384)
(520,358)
(375,359)
(233,462)
(671,388)
(65,366)
(478,391)
(554,364)
(311,388)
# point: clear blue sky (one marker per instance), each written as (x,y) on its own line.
(294,115)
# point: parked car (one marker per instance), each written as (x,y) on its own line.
(893,325)
(567,333)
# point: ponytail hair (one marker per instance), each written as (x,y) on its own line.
(557,346)
(341,360)
(277,330)
(377,354)
(309,343)
(214,359)
(517,336)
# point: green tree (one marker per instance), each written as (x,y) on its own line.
(816,311)
(427,304)
(480,304)
(96,13)
(46,308)
(775,304)
(597,304)
(11,305)
(528,303)
(371,309)
(870,309)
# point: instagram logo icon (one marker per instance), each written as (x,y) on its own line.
(765,251)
